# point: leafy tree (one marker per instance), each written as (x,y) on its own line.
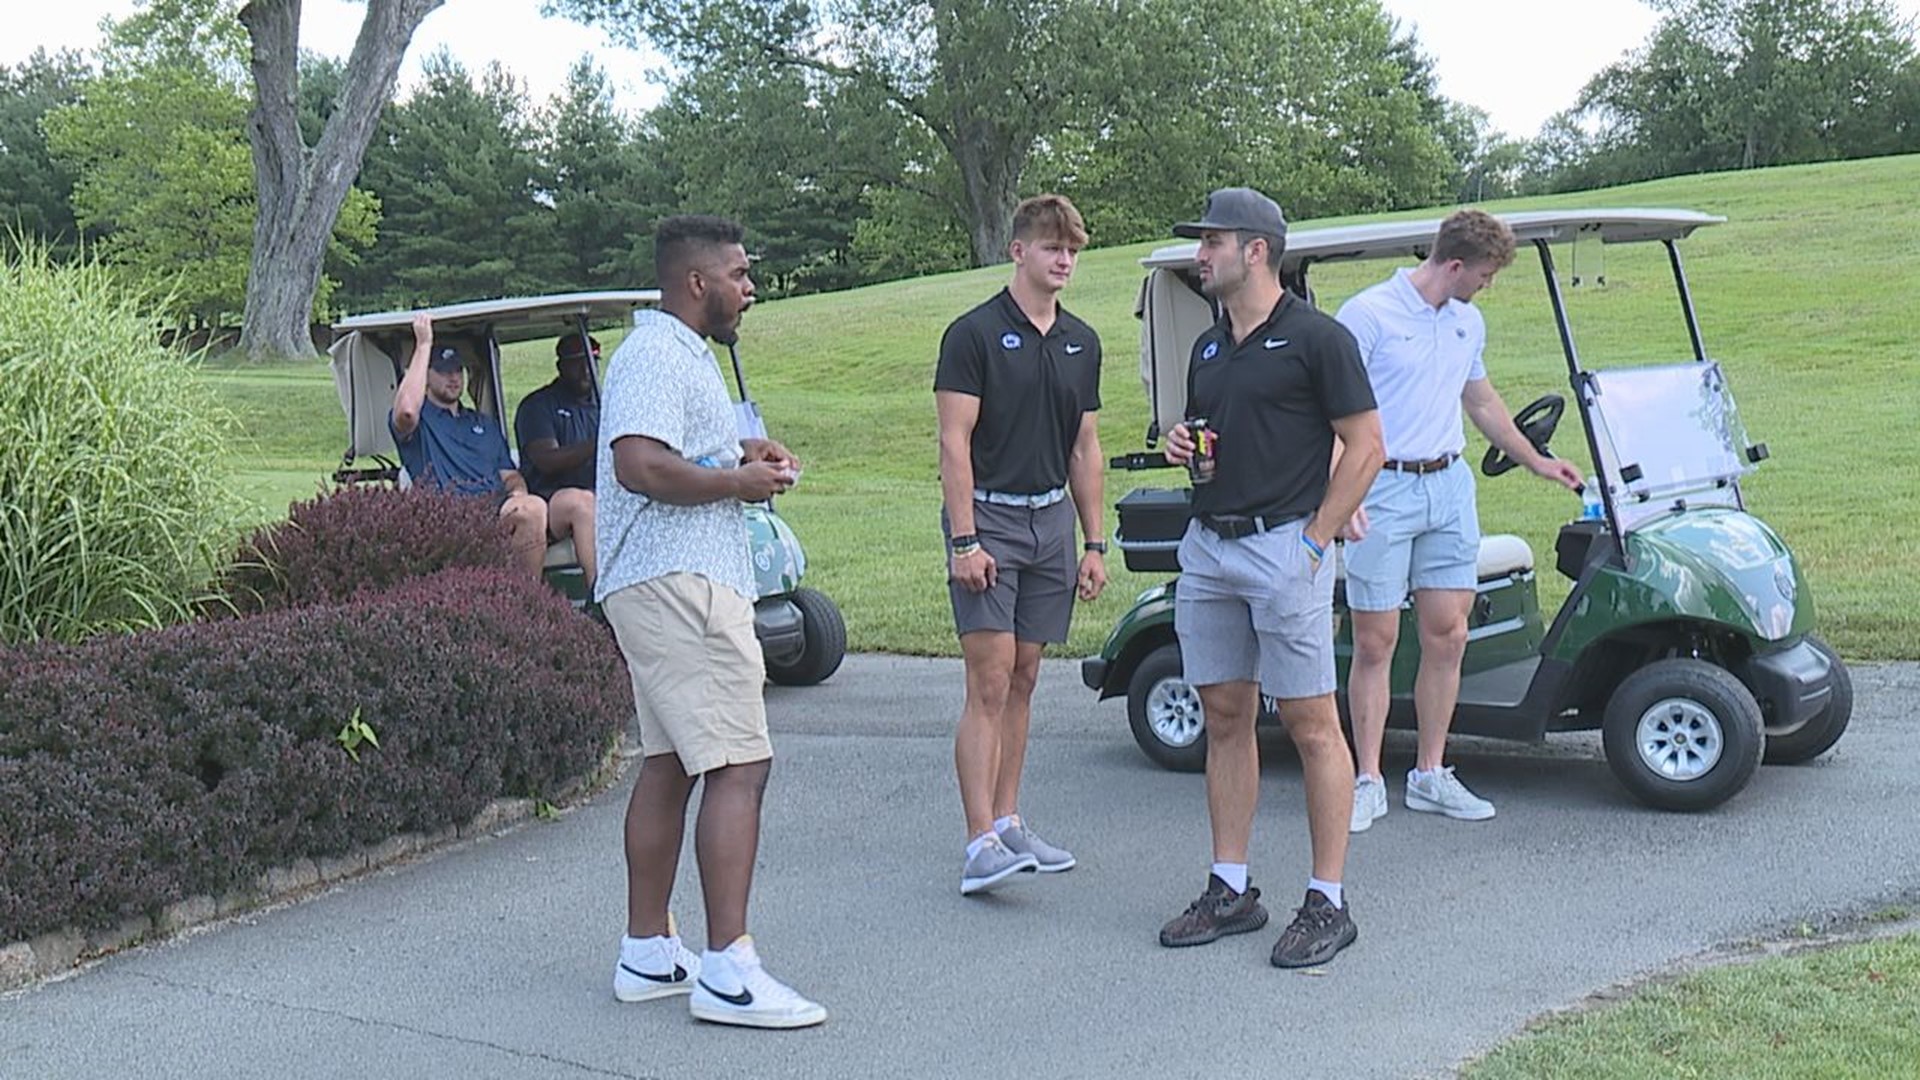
(35,190)
(305,189)
(1725,84)
(158,145)
(607,182)
(457,173)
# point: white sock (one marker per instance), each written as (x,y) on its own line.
(1002,824)
(1233,873)
(1423,775)
(632,948)
(1368,778)
(974,845)
(1329,889)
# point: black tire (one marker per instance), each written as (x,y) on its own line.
(1158,690)
(825,635)
(1697,703)
(1819,732)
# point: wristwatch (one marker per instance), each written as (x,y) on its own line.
(1097,547)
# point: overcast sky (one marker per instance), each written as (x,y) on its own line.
(1520,60)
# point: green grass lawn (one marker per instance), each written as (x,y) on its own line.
(1804,295)
(1839,1014)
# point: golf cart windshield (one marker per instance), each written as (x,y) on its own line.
(1668,434)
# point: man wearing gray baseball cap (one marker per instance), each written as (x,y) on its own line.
(1277,381)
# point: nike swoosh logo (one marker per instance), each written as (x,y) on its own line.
(1273,343)
(1075,350)
(679,974)
(743,999)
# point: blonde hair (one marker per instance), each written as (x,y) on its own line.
(1049,217)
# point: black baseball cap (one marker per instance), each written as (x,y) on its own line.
(445,358)
(569,347)
(1236,209)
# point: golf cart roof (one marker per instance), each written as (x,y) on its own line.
(517,318)
(1411,238)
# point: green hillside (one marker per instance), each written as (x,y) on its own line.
(1802,294)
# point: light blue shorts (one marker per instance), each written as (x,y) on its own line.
(1255,609)
(1423,532)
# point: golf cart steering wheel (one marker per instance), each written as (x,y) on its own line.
(1537,422)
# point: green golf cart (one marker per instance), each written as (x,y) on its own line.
(1687,638)
(800,629)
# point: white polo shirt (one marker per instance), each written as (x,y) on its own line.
(1419,359)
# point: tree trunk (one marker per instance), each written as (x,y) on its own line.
(990,174)
(301,191)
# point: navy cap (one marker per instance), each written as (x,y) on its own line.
(445,358)
(1236,209)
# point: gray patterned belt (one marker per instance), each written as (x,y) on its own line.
(1008,498)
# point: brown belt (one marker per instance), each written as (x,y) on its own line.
(1431,465)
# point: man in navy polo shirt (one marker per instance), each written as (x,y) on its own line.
(1017,390)
(1277,382)
(558,427)
(463,450)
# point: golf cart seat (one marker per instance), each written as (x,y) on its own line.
(1501,555)
(560,554)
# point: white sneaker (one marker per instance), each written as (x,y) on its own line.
(1440,793)
(653,968)
(734,989)
(1369,802)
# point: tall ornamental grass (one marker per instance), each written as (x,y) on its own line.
(114,503)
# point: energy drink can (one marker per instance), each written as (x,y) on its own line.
(1200,466)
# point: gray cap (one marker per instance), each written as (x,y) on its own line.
(1236,209)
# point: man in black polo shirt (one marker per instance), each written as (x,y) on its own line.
(1277,382)
(1017,389)
(558,428)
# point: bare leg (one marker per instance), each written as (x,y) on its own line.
(727,840)
(526,519)
(989,656)
(571,515)
(1015,717)
(656,822)
(1375,635)
(1314,724)
(1436,689)
(1233,766)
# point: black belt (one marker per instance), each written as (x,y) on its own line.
(1237,526)
(1431,465)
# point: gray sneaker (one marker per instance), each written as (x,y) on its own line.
(993,864)
(1369,803)
(1024,841)
(1445,795)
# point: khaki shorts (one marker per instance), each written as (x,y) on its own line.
(697,671)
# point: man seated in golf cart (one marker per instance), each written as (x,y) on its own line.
(558,428)
(456,449)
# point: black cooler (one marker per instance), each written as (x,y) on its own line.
(1152,521)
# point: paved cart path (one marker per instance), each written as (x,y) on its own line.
(492,959)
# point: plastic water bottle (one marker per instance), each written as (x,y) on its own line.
(1591,508)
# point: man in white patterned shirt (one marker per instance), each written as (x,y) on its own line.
(677,586)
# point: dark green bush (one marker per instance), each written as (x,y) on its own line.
(136,771)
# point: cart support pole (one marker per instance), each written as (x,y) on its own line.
(1686,300)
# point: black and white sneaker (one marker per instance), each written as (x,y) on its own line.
(734,989)
(653,968)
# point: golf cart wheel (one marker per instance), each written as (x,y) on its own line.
(1164,711)
(825,637)
(1817,734)
(1683,735)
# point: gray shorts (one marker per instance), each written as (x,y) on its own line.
(1032,596)
(1423,532)
(1255,609)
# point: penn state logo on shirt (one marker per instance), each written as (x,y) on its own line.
(1009,340)
(564,412)
(1460,332)
(1212,350)
(478,430)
